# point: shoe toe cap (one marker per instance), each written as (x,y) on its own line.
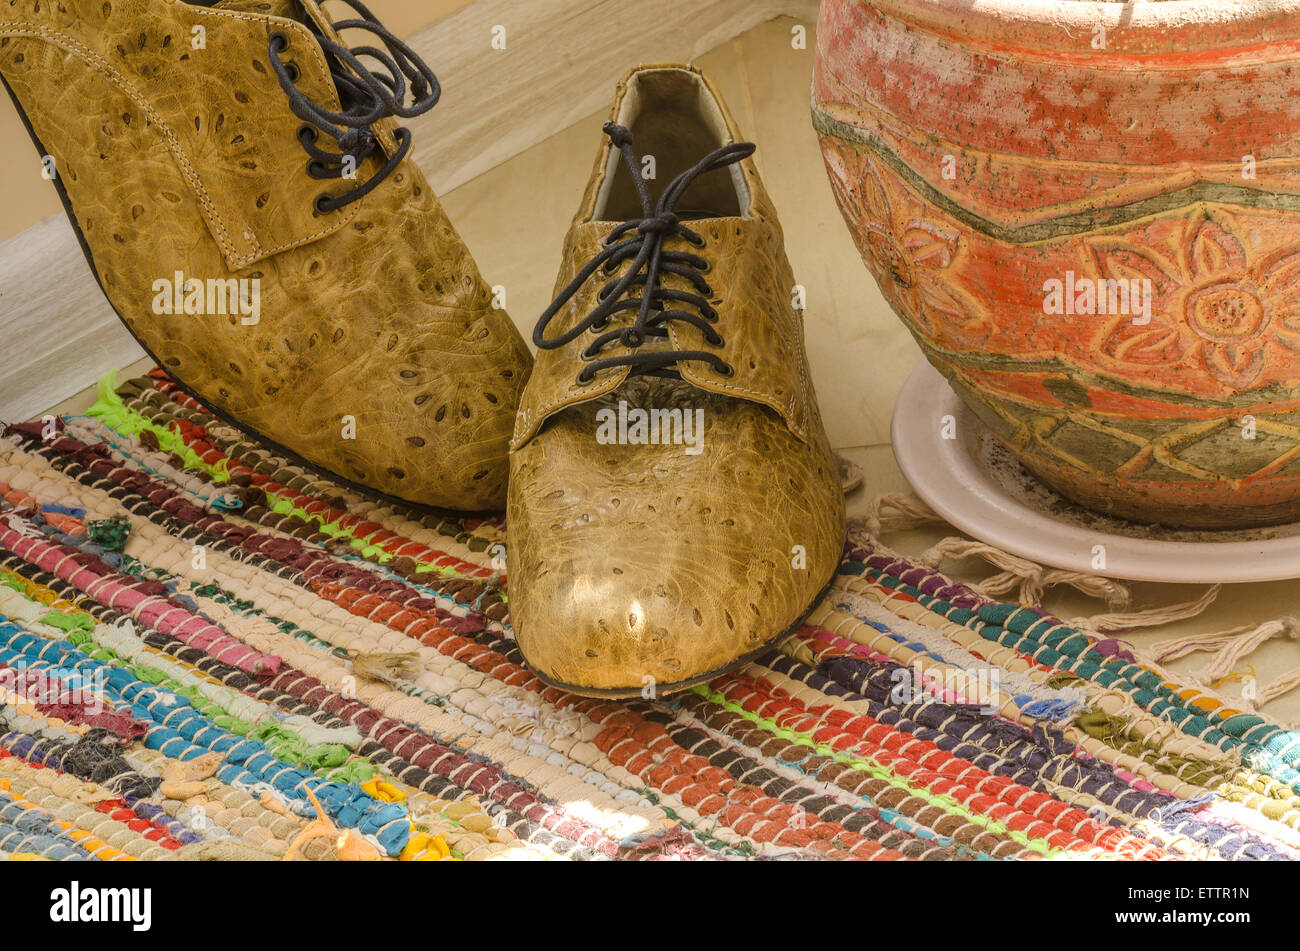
(640,565)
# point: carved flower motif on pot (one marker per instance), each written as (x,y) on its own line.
(910,254)
(1214,306)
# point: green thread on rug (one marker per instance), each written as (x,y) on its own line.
(138,386)
(109,533)
(65,621)
(1120,735)
(247,608)
(109,409)
(282,742)
(356,771)
(942,800)
(1010,624)
(1063,678)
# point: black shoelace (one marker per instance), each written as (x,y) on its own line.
(642,240)
(365,96)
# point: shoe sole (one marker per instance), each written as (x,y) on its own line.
(289,454)
(663,690)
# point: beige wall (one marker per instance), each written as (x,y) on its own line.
(24,205)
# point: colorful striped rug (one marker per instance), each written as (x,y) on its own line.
(207,652)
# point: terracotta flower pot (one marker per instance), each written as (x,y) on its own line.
(1088,215)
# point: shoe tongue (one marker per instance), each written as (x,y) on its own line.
(313,14)
(686,215)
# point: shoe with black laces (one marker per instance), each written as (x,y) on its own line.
(674,506)
(244,194)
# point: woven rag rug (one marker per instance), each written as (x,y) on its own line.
(285,669)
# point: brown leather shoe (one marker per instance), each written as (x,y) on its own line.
(674,507)
(244,197)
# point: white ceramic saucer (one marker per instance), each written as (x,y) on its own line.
(977,485)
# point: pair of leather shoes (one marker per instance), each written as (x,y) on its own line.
(249,207)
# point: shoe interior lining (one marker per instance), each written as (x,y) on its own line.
(673,116)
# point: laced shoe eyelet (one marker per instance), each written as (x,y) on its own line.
(395,68)
(315,169)
(650,243)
